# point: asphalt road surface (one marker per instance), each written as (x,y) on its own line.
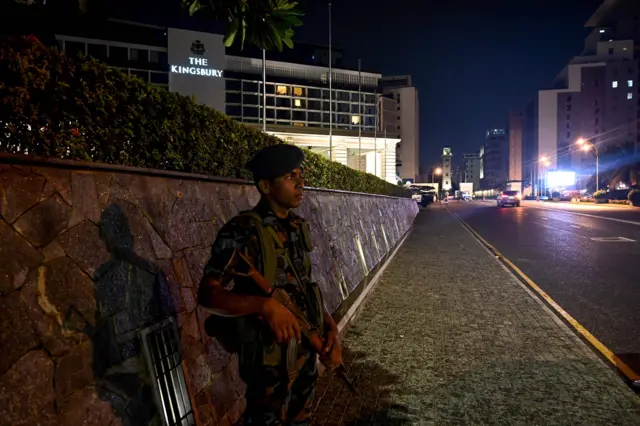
(567,254)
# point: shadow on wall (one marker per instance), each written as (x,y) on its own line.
(130,293)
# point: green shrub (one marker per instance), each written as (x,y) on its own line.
(634,197)
(78,108)
(600,194)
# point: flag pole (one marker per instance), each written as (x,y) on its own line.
(264,90)
(359,115)
(330,92)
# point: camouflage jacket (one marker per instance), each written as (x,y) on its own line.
(248,335)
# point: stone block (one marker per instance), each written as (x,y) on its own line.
(181,270)
(196,258)
(19,191)
(75,370)
(91,406)
(236,412)
(198,372)
(57,180)
(52,251)
(223,391)
(18,258)
(217,357)
(85,198)
(84,245)
(55,339)
(44,222)
(188,323)
(102,181)
(125,230)
(17,334)
(68,294)
(26,392)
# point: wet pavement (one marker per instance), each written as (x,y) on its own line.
(587,264)
(449,337)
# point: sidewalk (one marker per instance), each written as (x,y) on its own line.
(450,338)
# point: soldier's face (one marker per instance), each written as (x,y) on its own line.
(286,191)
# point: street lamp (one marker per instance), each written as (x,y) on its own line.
(544,160)
(586,146)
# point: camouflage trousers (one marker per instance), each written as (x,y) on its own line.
(276,398)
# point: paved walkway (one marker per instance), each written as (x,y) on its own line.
(450,338)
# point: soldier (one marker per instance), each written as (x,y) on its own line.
(276,363)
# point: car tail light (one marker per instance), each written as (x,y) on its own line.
(505,196)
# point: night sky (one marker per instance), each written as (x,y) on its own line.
(472,61)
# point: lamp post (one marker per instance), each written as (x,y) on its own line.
(586,146)
(437,172)
(544,160)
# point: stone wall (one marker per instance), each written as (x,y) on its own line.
(90,257)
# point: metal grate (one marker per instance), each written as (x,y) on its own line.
(163,356)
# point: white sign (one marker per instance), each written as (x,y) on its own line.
(197,62)
(196,68)
(559,179)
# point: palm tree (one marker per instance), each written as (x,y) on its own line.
(266,24)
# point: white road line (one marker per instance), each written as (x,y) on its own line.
(630,222)
(613,240)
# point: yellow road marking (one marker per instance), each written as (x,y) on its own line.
(606,352)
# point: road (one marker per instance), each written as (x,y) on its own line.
(560,247)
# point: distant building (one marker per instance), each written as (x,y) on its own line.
(408,126)
(472,168)
(596,96)
(447,178)
(516,129)
(298,107)
(495,160)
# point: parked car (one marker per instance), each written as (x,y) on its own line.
(509,197)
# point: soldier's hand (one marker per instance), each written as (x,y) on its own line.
(282,321)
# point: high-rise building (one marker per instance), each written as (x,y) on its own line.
(299,108)
(408,126)
(596,96)
(495,160)
(515,171)
(447,167)
(472,169)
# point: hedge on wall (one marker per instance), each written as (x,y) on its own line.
(78,108)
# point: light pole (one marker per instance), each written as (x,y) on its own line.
(586,146)
(437,172)
(546,163)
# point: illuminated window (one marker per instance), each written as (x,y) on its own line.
(297,91)
(355,119)
(614,84)
(297,103)
(629,95)
(630,83)
(281,90)
(298,124)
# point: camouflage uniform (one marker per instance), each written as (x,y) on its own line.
(276,393)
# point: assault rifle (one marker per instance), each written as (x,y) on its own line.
(308,331)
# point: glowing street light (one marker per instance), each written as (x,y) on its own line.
(586,146)
(438,171)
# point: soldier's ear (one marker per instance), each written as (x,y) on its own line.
(264,186)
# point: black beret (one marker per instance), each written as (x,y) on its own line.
(275,161)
